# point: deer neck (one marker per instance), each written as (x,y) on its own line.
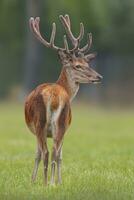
(68,83)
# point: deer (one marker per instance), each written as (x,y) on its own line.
(48,106)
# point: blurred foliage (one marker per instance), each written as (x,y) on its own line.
(111,23)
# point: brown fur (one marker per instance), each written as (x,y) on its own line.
(35,110)
(63,82)
(64,119)
(35,105)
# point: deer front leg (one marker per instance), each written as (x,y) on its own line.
(36,164)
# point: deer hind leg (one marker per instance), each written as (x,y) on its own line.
(59,160)
(45,155)
(36,164)
(58,134)
(53,163)
(55,157)
(41,133)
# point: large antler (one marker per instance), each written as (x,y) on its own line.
(34,25)
(76,41)
(66,23)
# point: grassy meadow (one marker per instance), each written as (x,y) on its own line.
(98,157)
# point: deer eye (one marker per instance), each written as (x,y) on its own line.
(78,66)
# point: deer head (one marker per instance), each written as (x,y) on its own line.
(76,60)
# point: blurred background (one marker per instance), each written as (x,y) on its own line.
(25,63)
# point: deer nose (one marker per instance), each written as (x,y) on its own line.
(99,77)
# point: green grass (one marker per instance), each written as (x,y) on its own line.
(98,157)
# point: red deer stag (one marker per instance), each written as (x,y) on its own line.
(47,108)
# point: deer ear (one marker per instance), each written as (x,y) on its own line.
(90,56)
(64,57)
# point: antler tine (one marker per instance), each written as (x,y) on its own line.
(86,48)
(66,44)
(34,25)
(68,20)
(81,32)
(52,38)
(68,30)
